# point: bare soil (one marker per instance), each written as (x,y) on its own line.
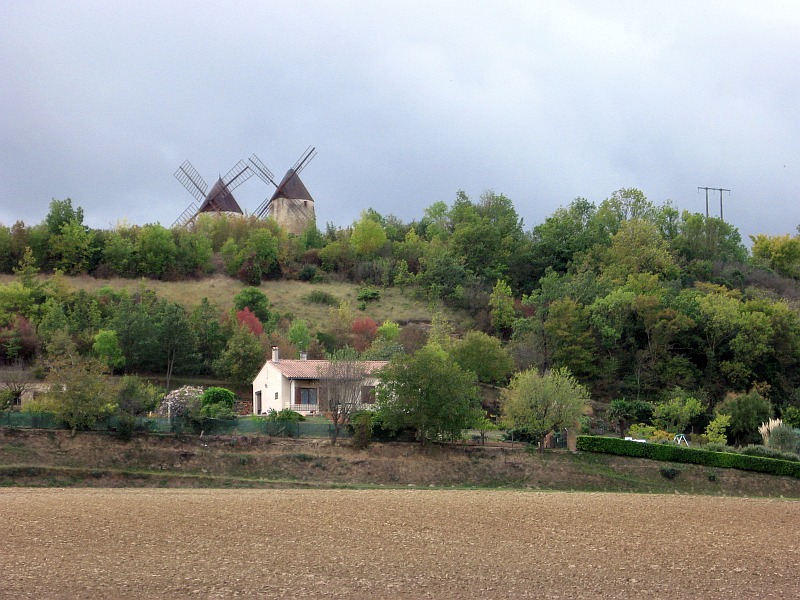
(150,543)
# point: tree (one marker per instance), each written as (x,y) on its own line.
(175,339)
(208,334)
(106,347)
(249,320)
(299,335)
(61,213)
(242,358)
(623,413)
(340,387)
(368,236)
(540,404)
(675,415)
(256,301)
(747,412)
(483,355)
(429,393)
(502,303)
(155,250)
(80,391)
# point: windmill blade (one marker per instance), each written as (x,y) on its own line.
(263,209)
(261,170)
(237,175)
(191,180)
(301,163)
(186,216)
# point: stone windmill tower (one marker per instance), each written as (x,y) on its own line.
(291,205)
(219,200)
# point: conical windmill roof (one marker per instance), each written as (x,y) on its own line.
(220,199)
(291,187)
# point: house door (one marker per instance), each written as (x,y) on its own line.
(258,402)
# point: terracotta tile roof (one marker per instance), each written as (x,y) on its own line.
(310,369)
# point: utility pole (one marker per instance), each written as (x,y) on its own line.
(720,190)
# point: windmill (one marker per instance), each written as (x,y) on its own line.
(291,205)
(219,199)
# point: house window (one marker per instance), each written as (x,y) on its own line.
(308,395)
(368,394)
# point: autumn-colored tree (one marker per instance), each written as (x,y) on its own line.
(364,330)
(248,319)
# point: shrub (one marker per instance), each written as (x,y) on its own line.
(669,472)
(785,439)
(368,294)
(360,428)
(641,431)
(755,450)
(307,273)
(218,395)
(320,297)
(679,454)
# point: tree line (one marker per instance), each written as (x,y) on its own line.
(639,302)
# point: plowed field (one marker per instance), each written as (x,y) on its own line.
(150,543)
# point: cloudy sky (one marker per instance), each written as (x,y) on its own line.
(406,102)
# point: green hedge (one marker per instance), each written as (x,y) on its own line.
(680,454)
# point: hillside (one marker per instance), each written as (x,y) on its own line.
(53,458)
(286,296)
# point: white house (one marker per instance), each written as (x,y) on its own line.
(296,384)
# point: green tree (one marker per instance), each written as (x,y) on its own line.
(242,357)
(175,340)
(118,253)
(299,335)
(72,248)
(106,347)
(62,213)
(257,302)
(80,391)
(675,414)
(747,412)
(540,404)
(502,308)
(208,333)
(368,237)
(155,250)
(715,430)
(429,393)
(483,355)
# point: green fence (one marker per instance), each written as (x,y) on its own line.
(242,426)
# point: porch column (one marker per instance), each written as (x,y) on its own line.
(291,394)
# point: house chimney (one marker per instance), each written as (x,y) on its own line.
(303,355)
(275,355)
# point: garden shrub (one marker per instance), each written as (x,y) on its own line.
(680,454)
(360,429)
(785,439)
(756,450)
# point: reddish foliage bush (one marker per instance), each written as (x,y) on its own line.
(247,318)
(364,331)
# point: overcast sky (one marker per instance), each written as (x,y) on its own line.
(406,102)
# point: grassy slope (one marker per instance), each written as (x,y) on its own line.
(53,458)
(286,296)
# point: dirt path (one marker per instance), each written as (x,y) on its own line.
(149,543)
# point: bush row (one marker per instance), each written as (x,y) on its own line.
(607,445)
